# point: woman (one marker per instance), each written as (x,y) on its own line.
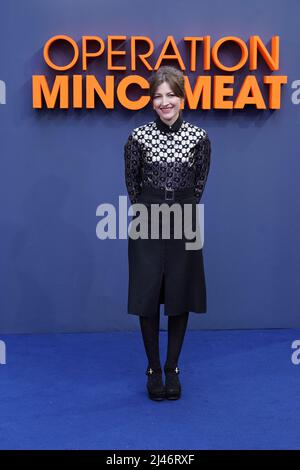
(166,162)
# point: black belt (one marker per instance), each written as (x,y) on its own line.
(168,194)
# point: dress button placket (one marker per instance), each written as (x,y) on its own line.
(171,169)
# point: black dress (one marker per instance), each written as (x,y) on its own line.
(166,164)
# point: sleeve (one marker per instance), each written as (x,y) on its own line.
(202,154)
(133,168)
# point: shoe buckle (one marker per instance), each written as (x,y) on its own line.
(169,194)
(151,371)
(171,369)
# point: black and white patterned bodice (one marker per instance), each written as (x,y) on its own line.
(167,157)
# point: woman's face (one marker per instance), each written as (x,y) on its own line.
(166,103)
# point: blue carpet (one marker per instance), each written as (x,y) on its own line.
(87,391)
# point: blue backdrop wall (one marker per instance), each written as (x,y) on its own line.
(57,166)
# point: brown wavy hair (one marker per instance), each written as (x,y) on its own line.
(173,76)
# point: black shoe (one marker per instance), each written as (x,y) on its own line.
(173,386)
(155,385)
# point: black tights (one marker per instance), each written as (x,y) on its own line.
(177,325)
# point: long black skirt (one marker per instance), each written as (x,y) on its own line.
(162,270)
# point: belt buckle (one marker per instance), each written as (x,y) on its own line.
(167,193)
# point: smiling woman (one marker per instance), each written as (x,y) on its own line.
(166,162)
(166,103)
